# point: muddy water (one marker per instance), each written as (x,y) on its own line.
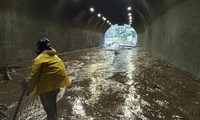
(112,83)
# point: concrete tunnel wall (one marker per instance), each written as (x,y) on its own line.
(21,31)
(167,28)
(174,36)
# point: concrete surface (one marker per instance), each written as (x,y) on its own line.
(168,29)
(174,36)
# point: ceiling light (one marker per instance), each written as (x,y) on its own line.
(99,15)
(128,8)
(104,18)
(91,9)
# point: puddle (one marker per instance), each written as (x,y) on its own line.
(112,84)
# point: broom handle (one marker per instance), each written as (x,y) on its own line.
(20,100)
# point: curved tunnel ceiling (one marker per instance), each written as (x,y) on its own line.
(76,12)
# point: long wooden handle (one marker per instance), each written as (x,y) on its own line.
(18,105)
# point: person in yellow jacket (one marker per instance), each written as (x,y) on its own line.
(48,75)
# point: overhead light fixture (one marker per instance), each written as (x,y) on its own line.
(99,15)
(91,9)
(130,17)
(128,8)
(104,18)
(129,14)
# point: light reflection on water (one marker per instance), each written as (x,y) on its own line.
(33,111)
(121,63)
(78,107)
(133,102)
(111,74)
(98,72)
(133,105)
(119,84)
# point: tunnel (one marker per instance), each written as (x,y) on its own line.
(167,29)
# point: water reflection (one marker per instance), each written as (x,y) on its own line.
(33,111)
(113,83)
(77,107)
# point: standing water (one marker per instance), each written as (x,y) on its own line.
(111,83)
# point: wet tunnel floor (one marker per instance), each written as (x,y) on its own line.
(112,84)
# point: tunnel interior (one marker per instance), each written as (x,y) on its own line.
(77,24)
(166,30)
(77,11)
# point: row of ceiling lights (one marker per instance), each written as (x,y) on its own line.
(129,15)
(104,18)
(100,16)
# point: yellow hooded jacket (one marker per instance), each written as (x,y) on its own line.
(48,73)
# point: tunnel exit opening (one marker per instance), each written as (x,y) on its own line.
(123,35)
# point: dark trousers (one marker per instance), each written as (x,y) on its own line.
(48,101)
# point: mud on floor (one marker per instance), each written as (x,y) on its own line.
(112,84)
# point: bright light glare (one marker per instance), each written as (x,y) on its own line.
(91,9)
(128,8)
(129,14)
(99,15)
(104,18)
(130,17)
